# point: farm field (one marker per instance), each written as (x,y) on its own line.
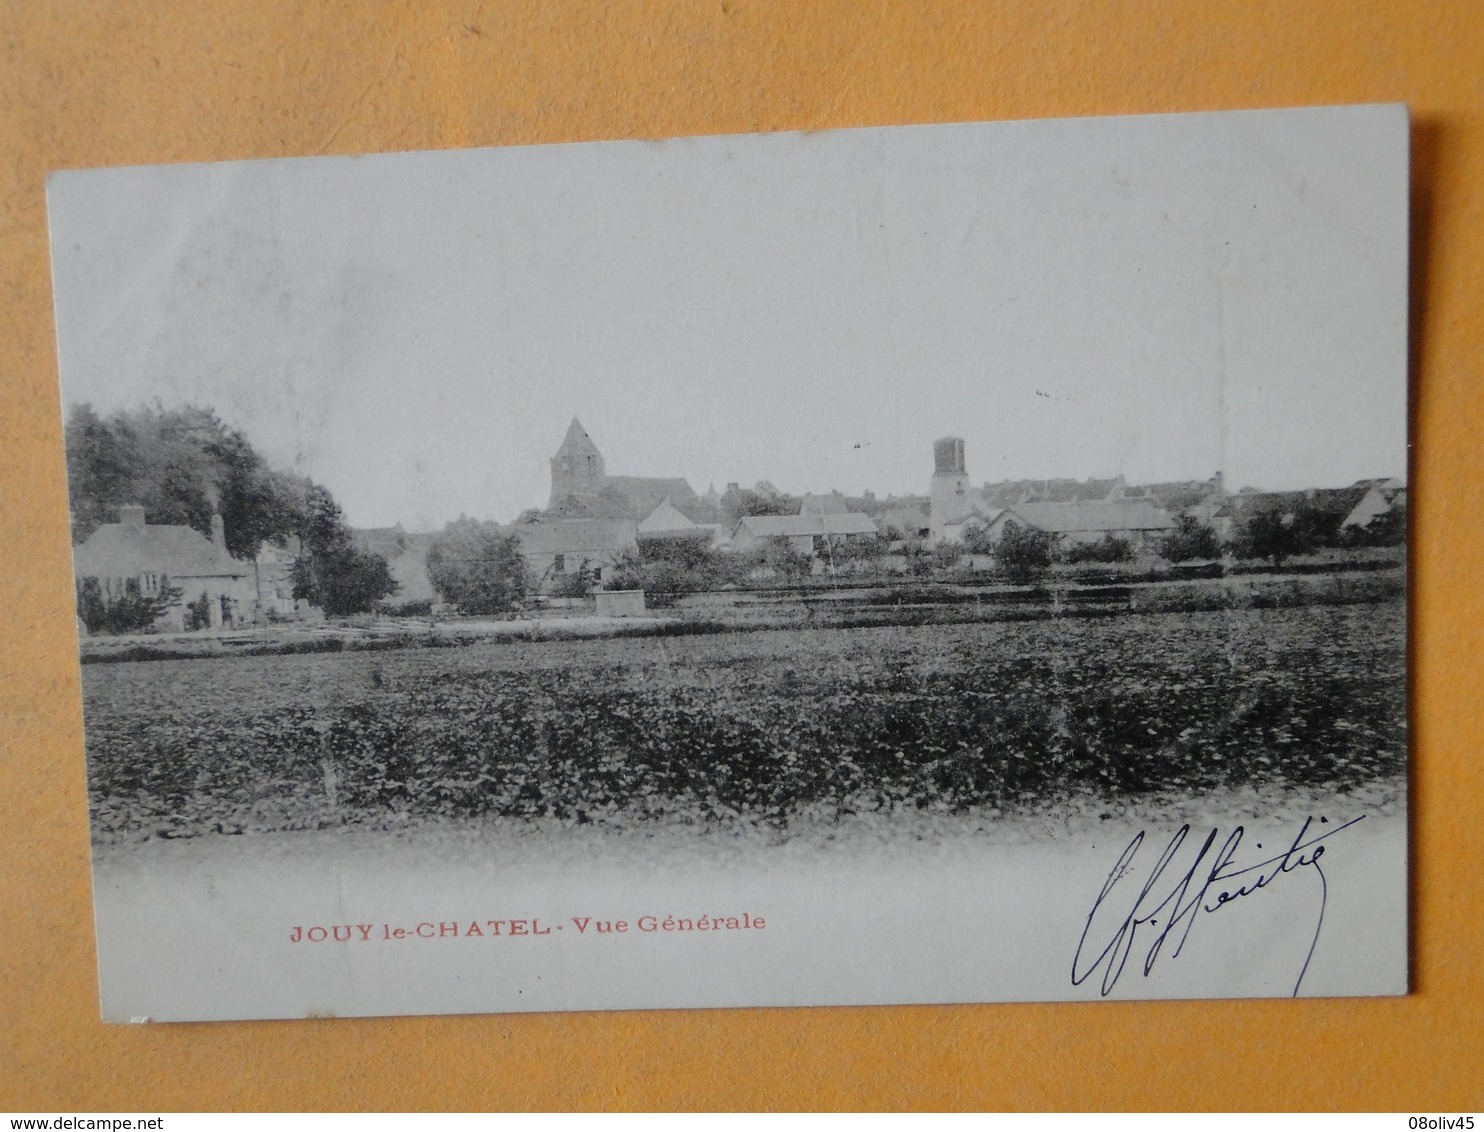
(770,730)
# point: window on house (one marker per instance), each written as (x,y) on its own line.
(559,565)
(592,465)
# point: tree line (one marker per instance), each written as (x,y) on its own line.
(185,464)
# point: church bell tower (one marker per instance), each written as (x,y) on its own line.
(949,500)
(577,467)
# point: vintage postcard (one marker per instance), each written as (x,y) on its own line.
(910,565)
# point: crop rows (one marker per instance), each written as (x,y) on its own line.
(756,728)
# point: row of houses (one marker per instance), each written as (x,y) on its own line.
(593,519)
(1088,511)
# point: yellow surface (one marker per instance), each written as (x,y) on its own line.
(114,83)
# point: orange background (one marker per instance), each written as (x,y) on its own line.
(116,83)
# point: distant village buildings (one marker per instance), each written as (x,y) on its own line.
(1077,511)
(1339,508)
(1088,511)
(134,556)
(808,533)
(594,520)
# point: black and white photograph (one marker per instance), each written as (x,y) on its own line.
(925,564)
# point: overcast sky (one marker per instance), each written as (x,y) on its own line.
(1159,297)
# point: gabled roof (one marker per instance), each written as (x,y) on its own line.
(587,506)
(1110,516)
(1003,494)
(795,526)
(1010,492)
(697,510)
(1327,500)
(122,550)
(909,518)
(823,505)
(650,487)
(1180,495)
(576,537)
(982,518)
(666,519)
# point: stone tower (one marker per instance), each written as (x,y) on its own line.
(950,491)
(577,467)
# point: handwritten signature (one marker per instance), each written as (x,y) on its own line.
(1206,886)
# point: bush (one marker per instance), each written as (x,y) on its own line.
(977,539)
(690,566)
(128,612)
(1276,537)
(1190,540)
(413,607)
(868,550)
(477,567)
(1388,529)
(946,555)
(343,580)
(1107,549)
(1025,553)
(778,554)
(198,613)
(628,572)
(576,583)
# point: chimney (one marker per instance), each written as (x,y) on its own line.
(132,515)
(218,530)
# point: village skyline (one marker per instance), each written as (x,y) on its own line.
(920,491)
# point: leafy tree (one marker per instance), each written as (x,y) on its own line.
(1387,529)
(976,538)
(685,565)
(1025,554)
(1190,540)
(778,554)
(693,553)
(745,502)
(664,581)
(1318,527)
(629,572)
(331,571)
(185,465)
(257,504)
(1276,537)
(181,465)
(351,580)
(477,567)
(947,555)
(868,550)
(917,556)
